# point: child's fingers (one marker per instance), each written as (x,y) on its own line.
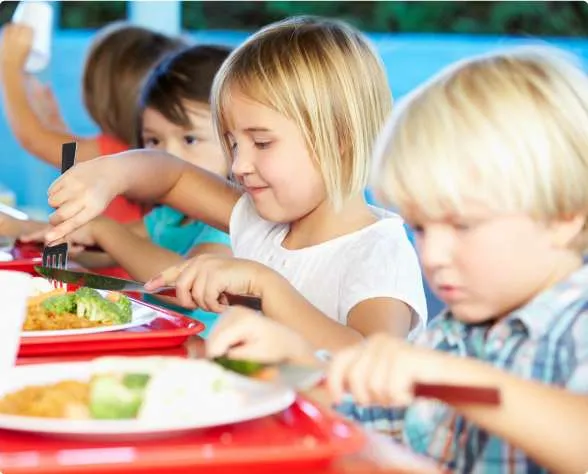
(358,375)
(37,236)
(171,274)
(338,371)
(222,339)
(63,227)
(155,283)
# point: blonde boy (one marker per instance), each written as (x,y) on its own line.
(489,164)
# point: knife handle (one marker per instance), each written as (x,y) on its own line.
(251,302)
(458,393)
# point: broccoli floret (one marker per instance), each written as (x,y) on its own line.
(60,304)
(86,292)
(124,305)
(96,308)
(136,381)
(243,367)
(111,399)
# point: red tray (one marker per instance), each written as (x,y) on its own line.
(302,437)
(168,329)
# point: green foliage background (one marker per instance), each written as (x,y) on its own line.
(520,18)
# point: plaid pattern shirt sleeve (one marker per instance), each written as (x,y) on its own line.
(547,340)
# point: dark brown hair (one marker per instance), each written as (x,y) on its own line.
(117,64)
(184,76)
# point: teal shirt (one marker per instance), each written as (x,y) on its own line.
(164,227)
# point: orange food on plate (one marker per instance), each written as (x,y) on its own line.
(67,399)
(39,319)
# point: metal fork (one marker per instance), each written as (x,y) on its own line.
(55,256)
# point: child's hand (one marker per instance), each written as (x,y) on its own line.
(381,371)
(201,281)
(77,240)
(244,334)
(81,194)
(9,226)
(17,41)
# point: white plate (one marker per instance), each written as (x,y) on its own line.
(258,399)
(141,315)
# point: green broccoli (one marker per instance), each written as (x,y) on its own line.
(243,367)
(86,292)
(112,399)
(60,304)
(124,305)
(91,305)
(136,381)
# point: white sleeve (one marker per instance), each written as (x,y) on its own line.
(384,264)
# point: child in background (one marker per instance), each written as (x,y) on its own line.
(174,117)
(299,130)
(119,58)
(489,163)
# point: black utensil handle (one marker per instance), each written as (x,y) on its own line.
(68,156)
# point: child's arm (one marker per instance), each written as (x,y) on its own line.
(547,423)
(140,258)
(38,138)
(143,175)
(201,281)
(11,227)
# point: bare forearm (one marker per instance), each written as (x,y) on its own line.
(547,423)
(26,126)
(17,228)
(141,258)
(283,303)
(150,175)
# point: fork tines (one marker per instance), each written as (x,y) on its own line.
(55,256)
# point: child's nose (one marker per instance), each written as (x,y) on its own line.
(435,249)
(242,164)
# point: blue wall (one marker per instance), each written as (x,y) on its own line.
(409,59)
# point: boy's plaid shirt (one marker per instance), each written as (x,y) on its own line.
(546,340)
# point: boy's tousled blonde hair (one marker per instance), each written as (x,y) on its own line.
(323,75)
(117,63)
(508,128)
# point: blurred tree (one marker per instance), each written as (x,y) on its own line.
(90,14)
(526,18)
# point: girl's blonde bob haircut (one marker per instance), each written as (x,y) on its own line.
(323,75)
(509,129)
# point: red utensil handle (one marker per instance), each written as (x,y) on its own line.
(458,393)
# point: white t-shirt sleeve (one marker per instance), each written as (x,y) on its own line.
(384,264)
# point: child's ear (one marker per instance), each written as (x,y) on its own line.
(565,230)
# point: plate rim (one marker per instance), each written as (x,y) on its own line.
(116,428)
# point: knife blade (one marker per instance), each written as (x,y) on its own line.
(103,282)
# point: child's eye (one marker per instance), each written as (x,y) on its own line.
(418,229)
(150,142)
(262,145)
(190,139)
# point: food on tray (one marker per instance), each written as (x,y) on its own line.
(153,389)
(56,309)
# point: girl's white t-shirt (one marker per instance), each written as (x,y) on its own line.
(374,262)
